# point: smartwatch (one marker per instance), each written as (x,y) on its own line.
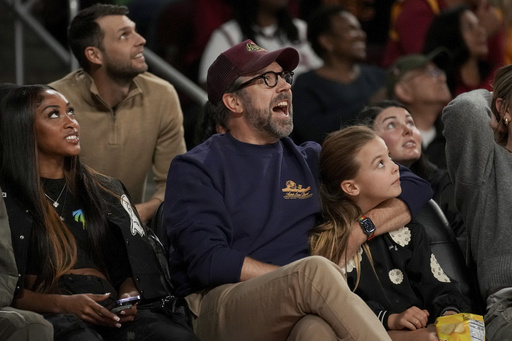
(367,226)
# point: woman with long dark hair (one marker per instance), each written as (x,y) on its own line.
(77,238)
(458,30)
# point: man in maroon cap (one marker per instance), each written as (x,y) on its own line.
(239,209)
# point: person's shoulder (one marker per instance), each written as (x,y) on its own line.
(207,147)
(73,77)
(372,71)
(229,24)
(300,24)
(104,180)
(474,98)
(147,79)
(308,148)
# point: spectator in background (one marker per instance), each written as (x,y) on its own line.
(410,20)
(270,24)
(373,15)
(459,31)
(332,95)
(417,82)
(131,120)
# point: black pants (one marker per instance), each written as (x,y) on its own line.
(152,322)
(148,325)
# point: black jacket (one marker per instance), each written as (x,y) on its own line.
(146,256)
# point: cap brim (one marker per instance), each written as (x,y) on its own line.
(288,58)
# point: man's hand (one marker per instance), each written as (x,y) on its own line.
(253,268)
(389,216)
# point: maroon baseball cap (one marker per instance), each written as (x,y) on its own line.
(242,59)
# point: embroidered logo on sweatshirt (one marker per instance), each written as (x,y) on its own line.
(294,191)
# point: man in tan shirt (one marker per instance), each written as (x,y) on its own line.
(130,119)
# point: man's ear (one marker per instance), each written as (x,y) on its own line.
(232,102)
(350,188)
(94,55)
(402,93)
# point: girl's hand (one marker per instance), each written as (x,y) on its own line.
(412,319)
(85,307)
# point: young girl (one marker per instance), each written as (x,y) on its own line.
(395,273)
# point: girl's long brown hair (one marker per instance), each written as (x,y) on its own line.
(337,164)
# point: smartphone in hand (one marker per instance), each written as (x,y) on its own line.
(125,303)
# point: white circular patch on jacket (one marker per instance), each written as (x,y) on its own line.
(437,271)
(402,236)
(396,276)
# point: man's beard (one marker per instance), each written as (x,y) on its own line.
(123,73)
(264,121)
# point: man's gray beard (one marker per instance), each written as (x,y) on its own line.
(265,123)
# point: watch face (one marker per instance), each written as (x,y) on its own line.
(367,225)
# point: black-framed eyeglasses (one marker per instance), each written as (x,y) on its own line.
(270,78)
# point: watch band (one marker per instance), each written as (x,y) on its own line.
(363,221)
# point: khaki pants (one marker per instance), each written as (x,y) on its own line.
(305,300)
(21,325)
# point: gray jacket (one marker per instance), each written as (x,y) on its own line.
(481,171)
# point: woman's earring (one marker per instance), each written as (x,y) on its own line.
(506,122)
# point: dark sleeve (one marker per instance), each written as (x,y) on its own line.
(380,311)
(200,226)
(437,291)
(415,190)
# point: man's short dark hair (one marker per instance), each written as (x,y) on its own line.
(84,31)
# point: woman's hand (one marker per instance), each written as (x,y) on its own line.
(87,308)
(128,289)
(128,315)
(413,318)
